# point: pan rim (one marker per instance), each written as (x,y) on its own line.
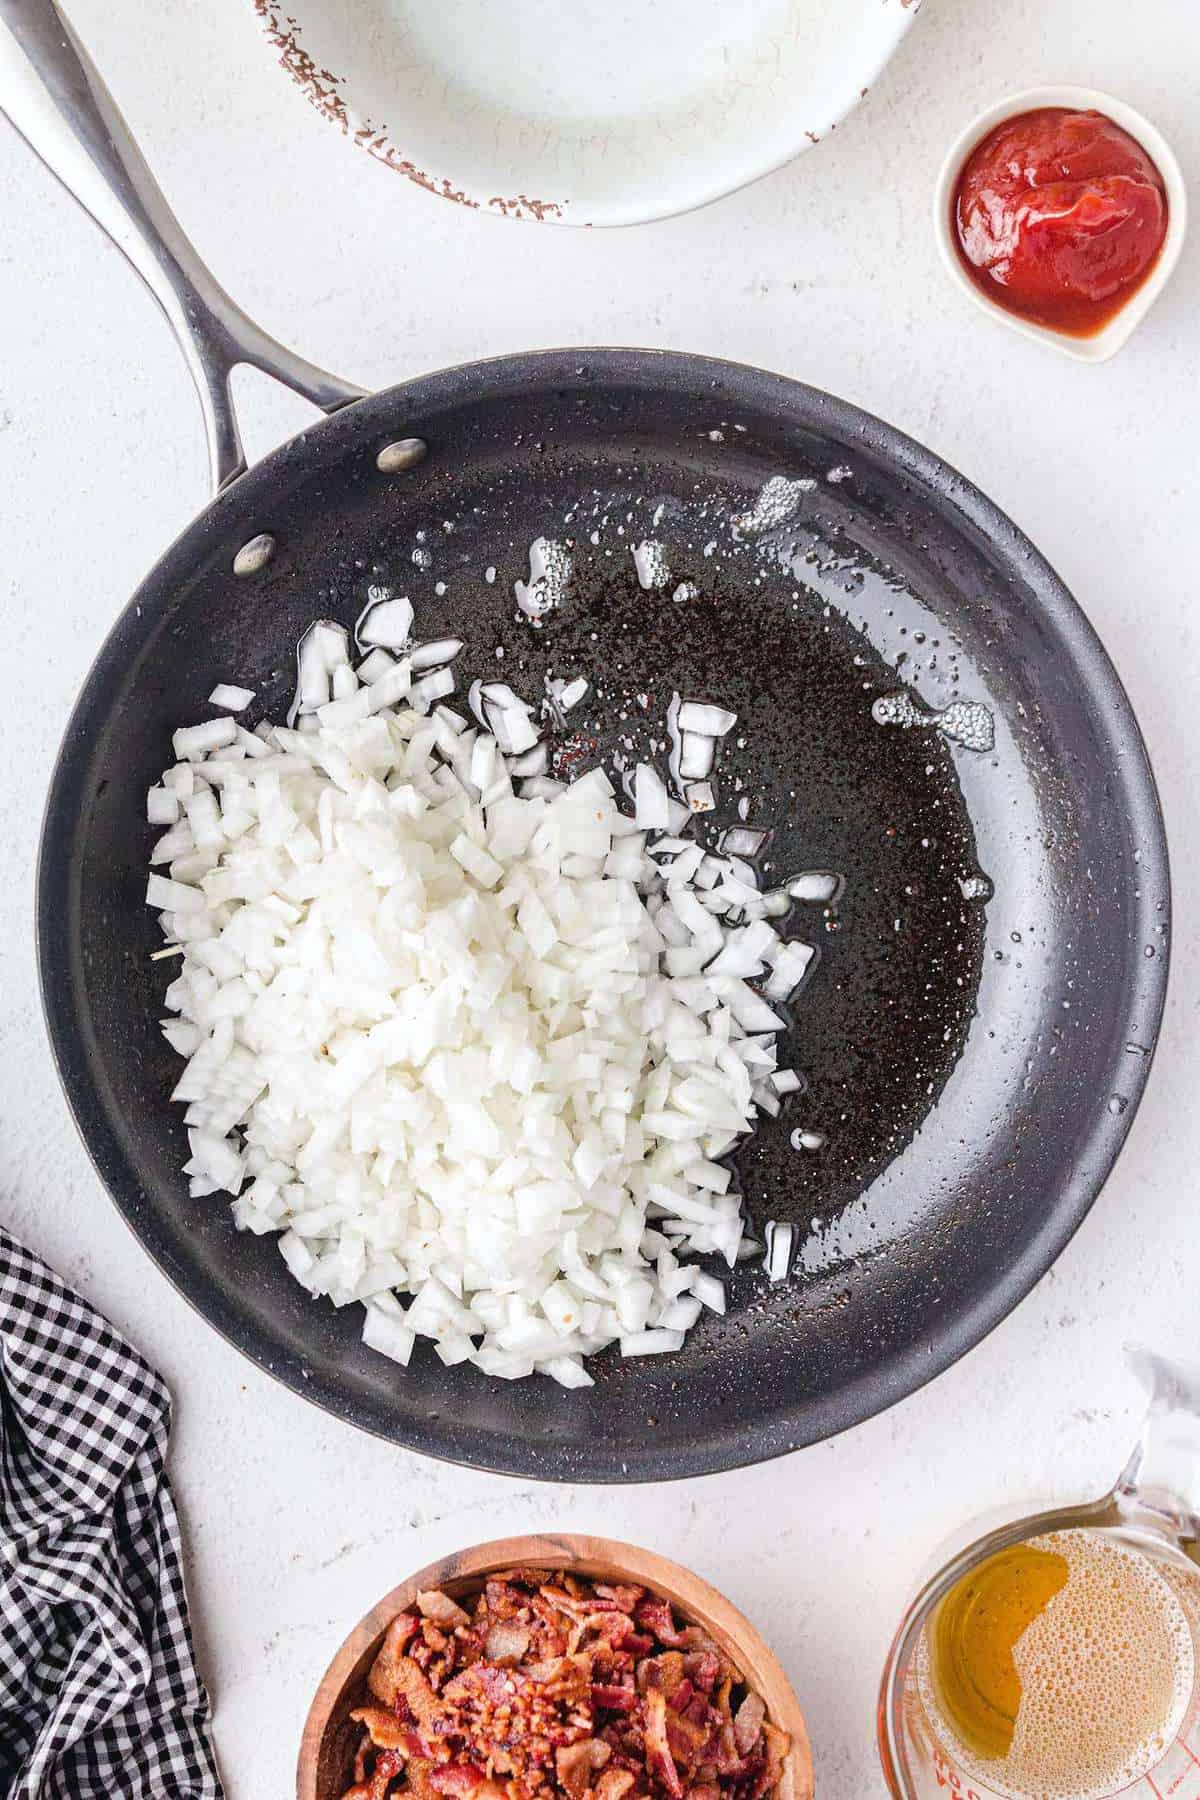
(742,1442)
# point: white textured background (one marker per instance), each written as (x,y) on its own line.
(827,271)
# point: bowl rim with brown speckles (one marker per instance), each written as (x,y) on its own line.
(324,1739)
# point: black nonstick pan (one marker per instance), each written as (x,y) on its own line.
(979,1028)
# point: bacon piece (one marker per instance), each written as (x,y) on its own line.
(748,1724)
(574,1605)
(506,1642)
(624,1598)
(465,1782)
(702,1668)
(384,1680)
(614,1629)
(530,1579)
(687,1739)
(656,1617)
(664,1671)
(383,1727)
(778,1746)
(419,1697)
(613,1699)
(575,1765)
(614,1784)
(419,1785)
(659,1761)
(375,1787)
(441,1609)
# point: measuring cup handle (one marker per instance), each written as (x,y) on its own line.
(1162,1477)
(53,95)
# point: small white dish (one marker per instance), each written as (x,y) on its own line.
(584,112)
(1121,326)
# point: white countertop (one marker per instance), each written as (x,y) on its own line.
(296,1524)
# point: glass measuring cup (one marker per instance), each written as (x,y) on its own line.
(1154,1512)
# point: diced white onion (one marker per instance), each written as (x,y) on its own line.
(696,755)
(709,721)
(476,1044)
(235,698)
(385,621)
(650,799)
(432,656)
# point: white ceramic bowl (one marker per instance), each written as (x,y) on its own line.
(584,112)
(1109,340)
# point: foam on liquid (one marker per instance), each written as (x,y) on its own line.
(1107,1669)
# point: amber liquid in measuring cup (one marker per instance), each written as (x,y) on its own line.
(1058,1657)
(1058,1669)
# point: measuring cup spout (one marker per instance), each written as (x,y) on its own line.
(1160,1484)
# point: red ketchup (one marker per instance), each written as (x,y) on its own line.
(1059,216)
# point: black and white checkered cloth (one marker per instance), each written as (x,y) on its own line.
(99,1694)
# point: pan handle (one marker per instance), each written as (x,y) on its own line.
(53,95)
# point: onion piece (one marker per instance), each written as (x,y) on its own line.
(432,656)
(651,1343)
(432,687)
(742,840)
(377,662)
(696,755)
(778,1261)
(791,964)
(531,762)
(707,720)
(384,621)
(650,799)
(236,699)
(192,743)
(819,887)
(162,806)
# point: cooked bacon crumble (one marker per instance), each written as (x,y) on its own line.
(547,1686)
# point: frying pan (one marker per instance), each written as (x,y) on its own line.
(979,1028)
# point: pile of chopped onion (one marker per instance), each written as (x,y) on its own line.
(455,1030)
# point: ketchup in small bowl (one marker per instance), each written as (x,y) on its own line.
(1059,216)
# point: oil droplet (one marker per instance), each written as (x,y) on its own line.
(650,561)
(964,722)
(550,572)
(1117,1104)
(777,502)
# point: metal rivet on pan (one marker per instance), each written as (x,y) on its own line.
(404,454)
(255,555)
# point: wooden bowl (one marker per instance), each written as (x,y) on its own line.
(330,1738)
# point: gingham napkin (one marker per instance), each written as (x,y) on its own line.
(99,1694)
